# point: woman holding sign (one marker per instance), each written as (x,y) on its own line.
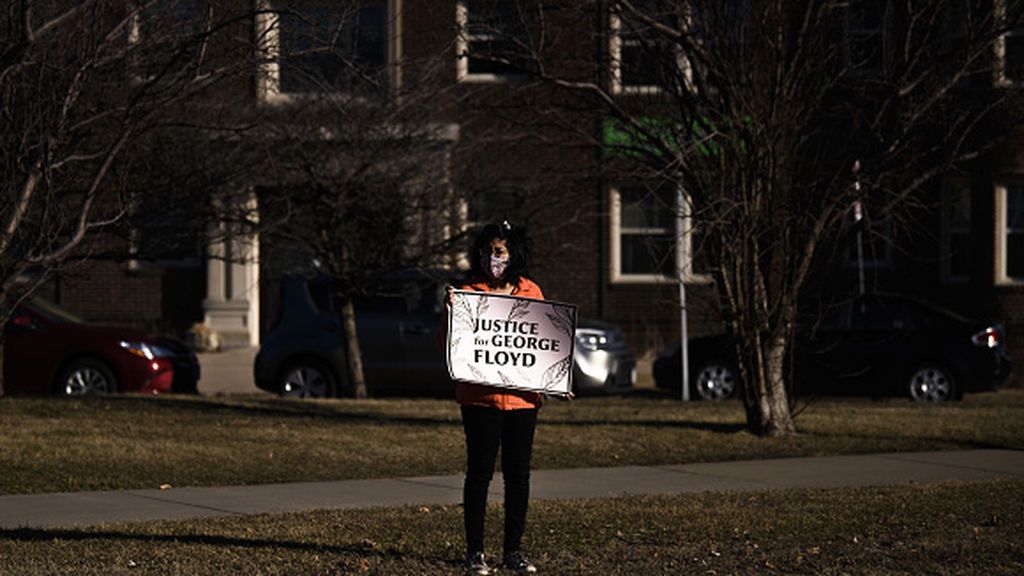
(495,417)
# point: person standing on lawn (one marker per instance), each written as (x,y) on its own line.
(495,417)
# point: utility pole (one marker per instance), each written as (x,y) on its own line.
(858,215)
(681,270)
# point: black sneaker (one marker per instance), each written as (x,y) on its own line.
(516,561)
(476,565)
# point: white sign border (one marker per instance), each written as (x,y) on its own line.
(572,344)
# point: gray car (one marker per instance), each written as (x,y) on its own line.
(304,353)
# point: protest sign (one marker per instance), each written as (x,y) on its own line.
(511,342)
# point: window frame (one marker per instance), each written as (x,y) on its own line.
(849,30)
(999,46)
(616,43)
(1002,190)
(463,39)
(268,40)
(950,229)
(136,34)
(617,276)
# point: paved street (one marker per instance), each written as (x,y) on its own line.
(228,372)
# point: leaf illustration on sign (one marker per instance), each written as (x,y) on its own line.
(556,373)
(562,320)
(482,306)
(520,308)
(478,375)
(506,380)
(462,313)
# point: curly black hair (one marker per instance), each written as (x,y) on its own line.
(517,242)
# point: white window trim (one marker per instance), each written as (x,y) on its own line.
(1001,232)
(615,44)
(135,37)
(948,230)
(462,73)
(268,80)
(999,47)
(615,247)
(849,30)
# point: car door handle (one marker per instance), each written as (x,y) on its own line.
(415,330)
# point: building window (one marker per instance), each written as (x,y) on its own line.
(956,231)
(1010,234)
(493,204)
(641,61)
(321,47)
(865,39)
(643,236)
(1009,46)
(165,37)
(493,42)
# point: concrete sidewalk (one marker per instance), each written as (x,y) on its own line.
(90,508)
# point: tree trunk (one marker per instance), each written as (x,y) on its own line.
(354,353)
(766,400)
(1,362)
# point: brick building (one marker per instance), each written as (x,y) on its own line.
(502,149)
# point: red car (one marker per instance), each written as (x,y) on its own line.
(49,350)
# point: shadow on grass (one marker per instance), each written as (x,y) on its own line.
(68,534)
(717,427)
(908,443)
(343,412)
(260,407)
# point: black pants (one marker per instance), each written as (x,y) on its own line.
(486,430)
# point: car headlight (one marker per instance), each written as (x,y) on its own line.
(147,351)
(591,339)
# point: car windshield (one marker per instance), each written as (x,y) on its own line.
(939,310)
(53,312)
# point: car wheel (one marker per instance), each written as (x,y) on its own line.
(716,380)
(932,383)
(86,376)
(306,380)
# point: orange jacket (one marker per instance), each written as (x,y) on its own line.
(488,396)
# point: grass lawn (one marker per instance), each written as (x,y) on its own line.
(954,528)
(52,444)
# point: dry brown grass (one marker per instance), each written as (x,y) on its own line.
(953,528)
(49,444)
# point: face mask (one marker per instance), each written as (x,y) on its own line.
(496,265)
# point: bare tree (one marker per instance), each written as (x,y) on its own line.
(86,88)
(359,200)
(759,111)
(357,157)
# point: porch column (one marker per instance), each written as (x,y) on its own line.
(231,307)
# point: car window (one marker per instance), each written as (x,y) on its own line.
(381,304)
(872,314)
(394,297)
(404,295)
(836,317)
(321,294)
(53,312)
(927,315)
(430,297)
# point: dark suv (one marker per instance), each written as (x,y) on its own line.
(304,353)
(872,345)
